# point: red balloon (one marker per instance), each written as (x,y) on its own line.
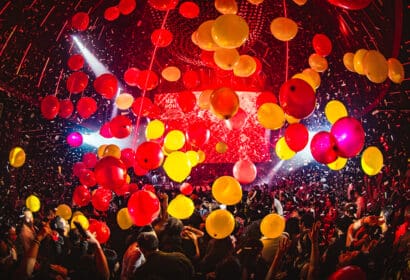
(161,37)
(75,62)
(244,171)
(123,190)
(106,85)
(100,229)
(105,130)
(238,120)
(138,170)
(110,172)
(149,155)
(155,112)
(50,106)
(77,82)
(266,97)
(126,7)
(133,188)
(101,199)
(186,101)
(323,147)
(131,76)
(81,196)
(351,4)
(128,157)
(349,135)
(143,207)
(189,9)
(186,188)
(163,5)
(90,160)
(66,108)
(80,21)
(78,167)
(86,106)
(207,57)
(147,80)
(190,79)
(197,134)
(142,106)
(322,44)
(296,136)
(297,98)
(87,178)
(111,13)
(148,187)
(120,126)
(348,273)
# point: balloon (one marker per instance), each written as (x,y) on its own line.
(395,70)
(49,107)
(75,62)
(86,107)
(348,61)
(296,136)
(75,139)
(312,77)
(227,190)
(78,168)
(221,147)
(244,171)
(81,196)
(282,150)
(128,157)
(126,7)
(265,97)
(17,157)
(189,10)
(174,140)
(318,63)
(106,85)
(375,66)
(299,2)
(161,37)
(186,101)
(338,164)
(112,150)
(138,170)
(350,5)
(64,211)
(349,135)
(143,207)
(111,13)
(193,158)
(142,106)
(131,76)
(123,219)
(87,178)
(201,156)
(80,21)
(186,188)
(256,2)
(105,130)
(81,219)
(171,73)
(120,126)
(322,44)
(226,6)
(154,130)
(335,110)
(358,61)
(297,98)
(226,59)
(110,172)
(224,103)
(33,203)
(220,224)
(163,5)
(372,161)
(349,272)
(100,229)
(197,134)
(204,99)
(230,31)
(190,79)
(291,119)
(101,199)
(204,36)
(306,78)
(323,147)
(177,166)
(149,155)
(283,29)
(245,67)
(237,121)
(66,108)
(90,159)
(181,207)
(271,116)
(124,101)
(272,225)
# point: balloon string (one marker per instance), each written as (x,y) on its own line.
(144,91)
(285,12)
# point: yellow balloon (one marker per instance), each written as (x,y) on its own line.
(174,140)
(300,2)
(204,99)
(245,67)
(221,147)
(338,164)
(226,59)
(82,220)
(314,77)
(396,70)
(177,166)
(155,129)
(204,36)
(220,224)
(283,29)
(76,213)
(291,119)
(358,61)
(375,66)
(283,151)
(33,203)
(193,158)
(372,161)
(271,116)
(112,150)
(171,73)
(306,78)
(230,31)
(272,225)
(100,150)
(64,211)
(226,6)
(318,63)
(123,219)
(227,190)
(256,2)
(17,157)
(335,110)
(348,61)
(124,101)
(201,156)
(181,207)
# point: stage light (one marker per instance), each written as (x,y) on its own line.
(96,140)
(96,66)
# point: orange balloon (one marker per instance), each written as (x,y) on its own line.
(226,6)
(204,36)
(283,29)
(358,61)
(226,59)
(318,63)
(224,103)
(348,61)
(204,99)
(245,67)
(171,73)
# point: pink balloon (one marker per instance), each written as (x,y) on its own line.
(120,126)
(143,207)
(78,168)
(238,120)
(149,155)
(198,134)
(351,4)
(101,199)
(296,136)
(110,172)
(349,135)
(81,196)
(323,147)
(244,171)
(75,139)
(90,160)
